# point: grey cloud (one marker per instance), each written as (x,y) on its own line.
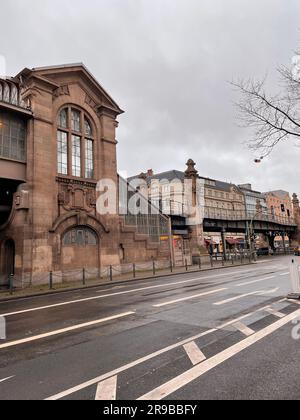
(168,63)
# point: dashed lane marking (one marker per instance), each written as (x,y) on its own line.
(107,390)
(102,296)
(170,302)
(196,372)
(275,313)
(64,330)
(195,354)
(127,367)
(144,359)
(243,328)
(71,302)
(258,292)
(6,379)
(255,281)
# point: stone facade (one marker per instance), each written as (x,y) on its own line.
(53,224)
(280,205)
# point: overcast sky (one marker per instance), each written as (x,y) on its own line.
(167,63)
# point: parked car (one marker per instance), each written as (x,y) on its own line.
(297,251)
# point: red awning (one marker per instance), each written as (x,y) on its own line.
(232,241)
(210,242)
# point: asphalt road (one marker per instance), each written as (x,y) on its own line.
(223,334)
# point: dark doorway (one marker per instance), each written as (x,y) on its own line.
(7,190)
(9,252)
(7,261)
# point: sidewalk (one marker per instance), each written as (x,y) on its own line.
(7,295)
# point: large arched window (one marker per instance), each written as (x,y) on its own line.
(75,144)
(80,236)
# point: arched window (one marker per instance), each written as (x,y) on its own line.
(80,236)
(75,144)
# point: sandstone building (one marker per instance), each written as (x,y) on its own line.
(57,139)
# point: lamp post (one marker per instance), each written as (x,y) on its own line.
(171,242)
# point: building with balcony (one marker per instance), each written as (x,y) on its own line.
(213,199)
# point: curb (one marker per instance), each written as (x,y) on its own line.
(115,283)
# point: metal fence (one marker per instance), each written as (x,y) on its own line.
(234,215)
(131,271)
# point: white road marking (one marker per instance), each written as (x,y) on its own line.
(126,367)
(144,359)
(249,314)
(284,274)
(107,390)
(170,302)
(196,372)
(243,328)
(63,330)
(71,302)
(6,379)
(275,313)
(258,292)
(255,281)
(195,354)
(223,302)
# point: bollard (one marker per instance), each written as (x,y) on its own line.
(211,261)
(223,261)
(186,265)
(171,266)
(110,273)
(11,283)
(295,280)
(83,276)
(134,270)
(200,263)
(232,259)
(154,270)
(51,280)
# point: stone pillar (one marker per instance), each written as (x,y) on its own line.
(223,234)
(196,230)
(295,238)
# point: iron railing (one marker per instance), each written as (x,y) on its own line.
(10,93)
(243,215)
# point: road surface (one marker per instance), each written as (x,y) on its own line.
(221,334)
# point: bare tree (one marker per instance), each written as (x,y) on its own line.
(273,118)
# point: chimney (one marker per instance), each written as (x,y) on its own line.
(150,173)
